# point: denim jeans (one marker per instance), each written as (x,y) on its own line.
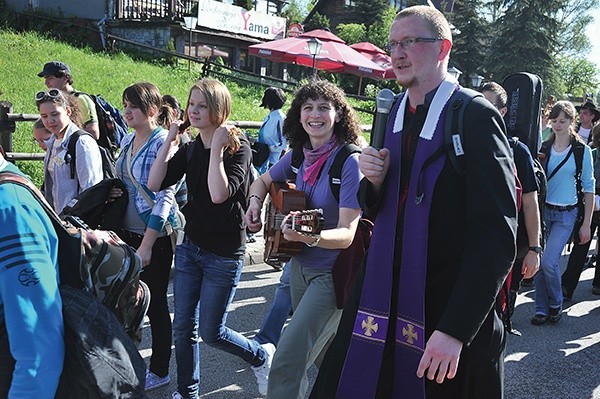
(203,288)
(270,331)
(548,290)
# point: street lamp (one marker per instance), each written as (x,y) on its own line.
(476,80)
(314,48)
(454,72)
(190,23)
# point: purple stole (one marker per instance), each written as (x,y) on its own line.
(363,361)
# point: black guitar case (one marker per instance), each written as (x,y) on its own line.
(524,103)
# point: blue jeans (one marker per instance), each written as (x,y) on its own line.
(203,289)
(548,290)
(270,331)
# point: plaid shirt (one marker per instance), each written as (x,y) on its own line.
(164,200)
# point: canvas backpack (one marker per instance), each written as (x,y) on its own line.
(108,161)
(96,261)
(101,359)
(111,124)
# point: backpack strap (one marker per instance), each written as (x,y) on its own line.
(297,159)
(70,156)
(335,172)
(578,148)
(15,178)
(454,127)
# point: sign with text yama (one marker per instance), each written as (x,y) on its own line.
(228,18)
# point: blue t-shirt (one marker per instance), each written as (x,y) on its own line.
(562,189)
(320,196)
(29,296)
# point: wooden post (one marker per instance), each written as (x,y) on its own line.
(7,127)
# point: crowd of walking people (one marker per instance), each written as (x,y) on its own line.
(422,320)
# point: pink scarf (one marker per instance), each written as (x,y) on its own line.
(315,159)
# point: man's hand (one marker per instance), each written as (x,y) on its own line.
(374,164)
(531,264)
(440,358)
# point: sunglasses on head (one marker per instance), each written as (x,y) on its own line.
(52,93)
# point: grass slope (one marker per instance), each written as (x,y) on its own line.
(22,56)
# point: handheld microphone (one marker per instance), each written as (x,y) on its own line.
(384,101)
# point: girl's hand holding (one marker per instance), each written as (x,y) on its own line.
(220,138)
(174,131)
(253,220)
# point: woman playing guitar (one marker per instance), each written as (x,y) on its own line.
(320,121)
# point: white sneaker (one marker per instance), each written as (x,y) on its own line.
(176,395)
(262,372)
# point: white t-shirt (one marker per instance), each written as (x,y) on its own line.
(584,133)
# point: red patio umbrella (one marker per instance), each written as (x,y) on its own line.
(377,55)
(335,55)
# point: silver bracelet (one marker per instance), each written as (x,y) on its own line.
(255,196)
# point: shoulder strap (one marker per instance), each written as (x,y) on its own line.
(454,126)
(335,172)
(578,149)
(70,156)
(297,159)
(15,178)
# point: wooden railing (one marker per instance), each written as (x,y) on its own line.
(152,9)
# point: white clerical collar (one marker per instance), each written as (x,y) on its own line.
(441,97)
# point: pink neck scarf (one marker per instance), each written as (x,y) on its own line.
(315,159)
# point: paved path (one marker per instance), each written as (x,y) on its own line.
(559,361)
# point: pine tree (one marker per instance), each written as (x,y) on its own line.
(469,38)
(367,12)
(522,40)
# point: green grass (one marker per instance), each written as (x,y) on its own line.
(22,56)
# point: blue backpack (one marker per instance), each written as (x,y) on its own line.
(111,124)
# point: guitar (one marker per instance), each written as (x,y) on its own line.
(284,198)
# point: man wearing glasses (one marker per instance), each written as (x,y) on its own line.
(57,75)
(442,244)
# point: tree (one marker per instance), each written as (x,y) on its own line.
(318,21)
(367,12)
(247,4)
(352,33)
(579,75)
(470,38)
(522,40)
(293,12)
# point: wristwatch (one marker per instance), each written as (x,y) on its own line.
(536,249)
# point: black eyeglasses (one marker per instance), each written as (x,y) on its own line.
(52,93)
(409,42)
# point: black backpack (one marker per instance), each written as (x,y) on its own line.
(111,124)
(109,170)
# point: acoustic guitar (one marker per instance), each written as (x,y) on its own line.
(284,198)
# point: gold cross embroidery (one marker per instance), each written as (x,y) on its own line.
(410,334)
(369,326)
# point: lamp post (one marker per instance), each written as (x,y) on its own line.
(314,48)
(454,72)
(190,23)
(476,80)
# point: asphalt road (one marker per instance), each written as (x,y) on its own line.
(559,361)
